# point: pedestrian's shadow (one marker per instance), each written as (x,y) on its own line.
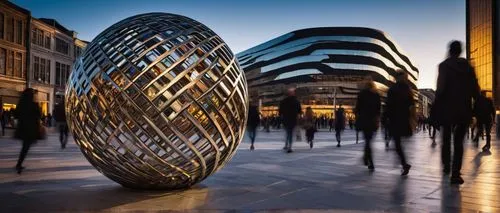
(478,160)
(451,197)
(398,194)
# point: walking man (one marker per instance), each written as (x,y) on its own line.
(400,103)
(60,117)
(339,123)
(484,110)
(456,88)
(289,110)
(252,123)
(368,117)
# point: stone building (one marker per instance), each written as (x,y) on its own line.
(14,42)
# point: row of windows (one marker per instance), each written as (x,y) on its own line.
(11,63)
(480,11)
(41,70)
(481,41)
(40,38)
(78,51)
(62,73)
(11,29)
(62,46)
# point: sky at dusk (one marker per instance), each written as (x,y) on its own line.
(422,28)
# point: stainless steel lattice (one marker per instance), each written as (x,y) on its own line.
(157,101)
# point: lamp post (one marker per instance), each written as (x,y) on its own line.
(334,98)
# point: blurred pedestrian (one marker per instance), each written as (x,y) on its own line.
(331,123)
(456,88)
(484,110)
(49,120)
(266,123)
(385,124)
(3,120)
(289,110)
(60,117)
(28,128)
(368,117)
(357,129)
(400,103)
(309,126)
(339,123)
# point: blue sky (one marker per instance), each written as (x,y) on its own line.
(422,28)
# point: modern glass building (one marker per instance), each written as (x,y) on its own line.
(326,65)
(482,48)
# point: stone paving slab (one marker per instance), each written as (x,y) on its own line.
(322,179)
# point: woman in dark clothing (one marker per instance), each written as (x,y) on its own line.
(309,126)
(28,128)
(399,114)
(253,122)
(367,117)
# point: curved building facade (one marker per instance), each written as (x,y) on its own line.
(326,66)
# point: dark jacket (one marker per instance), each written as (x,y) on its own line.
(456,88)
(289,111)
(59,113)
(28,127)
(484,110)
(340,119)
(399,103)
(253,117)
(367,110)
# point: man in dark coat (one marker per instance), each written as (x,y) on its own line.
(484,110)
(456,88)
(339,123)
(253,122)
(289,110)
(367,117)
(60,117)
(28,128)
(399,103)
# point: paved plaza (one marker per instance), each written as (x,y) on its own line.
(322,179)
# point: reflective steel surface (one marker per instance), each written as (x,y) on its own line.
(157,101)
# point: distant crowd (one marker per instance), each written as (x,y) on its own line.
(460,109)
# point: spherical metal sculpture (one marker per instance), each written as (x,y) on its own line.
(157,101)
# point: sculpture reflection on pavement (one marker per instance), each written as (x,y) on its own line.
(157,101)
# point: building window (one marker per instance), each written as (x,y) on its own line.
(36,68)
(33,35)
(62,73)
(10,29)
(18,65)
(78,51)
(19,32)
(41,38)
(47,40)
(1,25)
(62,46)
(47,72)
(3,60)
(41,70)
(10,62)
